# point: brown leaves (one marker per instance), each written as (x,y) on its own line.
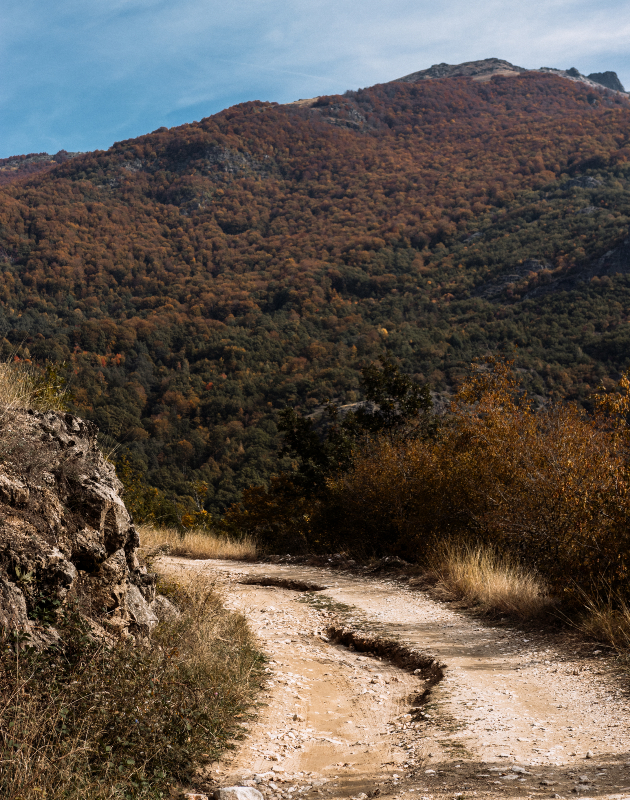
(550,485)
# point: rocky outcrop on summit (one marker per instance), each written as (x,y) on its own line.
(608,79)
(65,534)
(479,70)
(26,166)
(487,68)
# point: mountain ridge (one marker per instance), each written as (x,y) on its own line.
(17,167)
(487,68)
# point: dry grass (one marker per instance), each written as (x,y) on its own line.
(126,721)
(495,583)
(196,544)
(607,622)
(22,386)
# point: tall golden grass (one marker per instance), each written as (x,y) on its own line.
(199,544)
(492,582)
(606,620)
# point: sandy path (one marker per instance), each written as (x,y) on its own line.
(517,714)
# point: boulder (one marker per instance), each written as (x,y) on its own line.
(65,533)
(609,79)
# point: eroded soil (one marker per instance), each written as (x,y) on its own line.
(517,714)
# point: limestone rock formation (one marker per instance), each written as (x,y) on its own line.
(237,793)
(65,534)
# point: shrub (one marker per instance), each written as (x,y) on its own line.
(549,486)
(149,505)
(91,719)
(277,519)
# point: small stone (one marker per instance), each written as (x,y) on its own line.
(237,793)
(195,796)
(163,609)
(520,770)
(589,754)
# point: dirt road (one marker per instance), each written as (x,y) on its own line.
(514,715)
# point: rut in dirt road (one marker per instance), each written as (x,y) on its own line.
(503,714)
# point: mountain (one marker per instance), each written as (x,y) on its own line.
(17,167)
(196,280)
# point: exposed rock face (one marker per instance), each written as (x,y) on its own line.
(238,793)
(486,67)
(65,534)
(608,79)
(16,167)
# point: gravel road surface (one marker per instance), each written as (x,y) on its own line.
(516,713)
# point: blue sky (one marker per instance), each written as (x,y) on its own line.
(82,74)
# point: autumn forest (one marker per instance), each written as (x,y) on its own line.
(193,282)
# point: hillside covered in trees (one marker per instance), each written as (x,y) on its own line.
(195,281)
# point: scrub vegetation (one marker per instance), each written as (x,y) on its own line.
(102,719)
(513,505)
